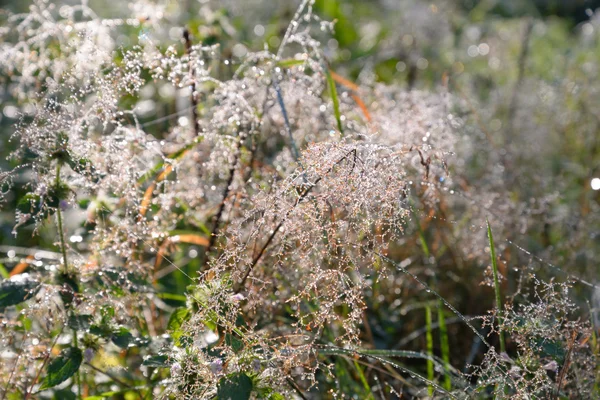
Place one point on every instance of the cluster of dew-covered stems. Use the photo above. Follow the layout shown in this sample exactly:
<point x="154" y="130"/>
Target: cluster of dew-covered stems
<point x="288" y="187"/>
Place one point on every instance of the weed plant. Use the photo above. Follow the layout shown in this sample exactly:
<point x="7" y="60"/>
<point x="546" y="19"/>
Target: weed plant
<point x="224" y="221"/>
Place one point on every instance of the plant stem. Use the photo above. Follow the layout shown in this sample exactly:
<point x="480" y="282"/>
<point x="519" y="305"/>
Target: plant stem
<point x="217" y="218"/>
<point x="61" y="235"/>
<point x="194" y="94"/>
<point x="77" y="376"/>
<point x="63" y="248"/>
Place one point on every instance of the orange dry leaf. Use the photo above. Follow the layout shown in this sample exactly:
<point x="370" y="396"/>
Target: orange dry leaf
<point x="344" y="82"/>
<point x="362" y="106"/>
<point x="148" y="193"/>
<point x="354" y="88"/>
<point x="192" y="239"/>
<point x="22" y="266"/>
<point x="146" y="199"/>
<point x="165" y="173"/>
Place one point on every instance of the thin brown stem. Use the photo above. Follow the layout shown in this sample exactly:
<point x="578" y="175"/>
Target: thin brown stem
<point x="565" y="368"/>
<point x="14" y="368"/>
<point x="37" y="376"/>
<point x="192" y="77"/>
<point x="295" y="386"/>
<point x="219" y="214"/>
<point x="111" y="376"/>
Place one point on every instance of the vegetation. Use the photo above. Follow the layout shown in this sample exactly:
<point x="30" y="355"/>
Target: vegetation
<point x="299" y="199"/>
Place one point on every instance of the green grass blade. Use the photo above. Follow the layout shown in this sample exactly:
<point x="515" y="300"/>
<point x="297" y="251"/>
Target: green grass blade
<point x="389" y="353"/>
<point x="379" y="356"/>
<point x="496" y="288"/>
<point x="335" y="100"/>
<point x="290" y="62"/>
<point x="429" y="337"/>
<point x="363" y="380"/>
<point x="3" y="272"/>
<point x="436" y="294"/>
<point x="444" y="345"/>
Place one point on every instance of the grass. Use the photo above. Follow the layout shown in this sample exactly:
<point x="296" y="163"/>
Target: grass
<point x="496" y="288"/>
<point x="311" y="282"/>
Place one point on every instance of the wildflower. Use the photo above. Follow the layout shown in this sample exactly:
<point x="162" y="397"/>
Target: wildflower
<point x="551" y="366"/>
<point x="237" y="297"/>
<point x="88" y="354"/>
<point x="176" y="369"/>
<point x="216" y="366"/>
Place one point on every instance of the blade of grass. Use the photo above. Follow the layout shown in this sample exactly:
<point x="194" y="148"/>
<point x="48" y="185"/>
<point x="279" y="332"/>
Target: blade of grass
<point x="496" y="288"/>
<point x="444" y="345"/>
<point x="335" y="100"/>
<point x="364" y="381"/>
<point x="420" y="230"/>
<point x="3" y="271"/>
<point x="391" y="353"/>
<point x="429" y="337"/>
<point x="353" y="93"/>
<point x="290" y="62"/>
<point x="285" y="119"/>
<point x="172" y="296"/>
<point x="441" y="321"/>
<point x="436" y="294"/>
<point x="375" y="354"/>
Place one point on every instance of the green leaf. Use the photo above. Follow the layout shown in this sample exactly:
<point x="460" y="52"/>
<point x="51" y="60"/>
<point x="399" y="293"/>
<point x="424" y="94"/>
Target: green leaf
<point x="84" y="203"/>
<point x="549" y="348"/>
<point x="172" y="296"/>
<point x="69" y="286"/>
<point x="267" y="393"/>
<point x="64" y="394"/>
<point x="233" y="342"/>
<point x="122" y="338"/>
<point x="100" y="330"/>
<point x="177" y="319"/>
<point x="234" y="387"/>
<point x="84" y="167"/>
<point x="42" y="206"/>
<point x="29" y="155"/>
<point x="157" y="361"/>
<point x="80" y="322"/>
<point x="335" y="100"/>
<point x="120" y="284"/>
<point x="179" y="316"/>
<point x="29" y="204"/>
<point x="63" y="367"/>
<point x="15" y="291"/>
